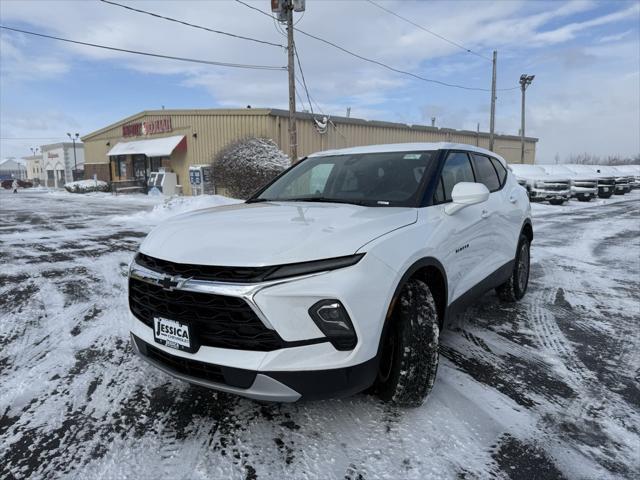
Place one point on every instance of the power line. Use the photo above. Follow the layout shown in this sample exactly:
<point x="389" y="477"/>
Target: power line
<point x="370" y="60"/>
<point x="304" y="82"/>
<point x="468" y="50"/>
<point x="193" y="25"/>
<point x="148" y="54"/>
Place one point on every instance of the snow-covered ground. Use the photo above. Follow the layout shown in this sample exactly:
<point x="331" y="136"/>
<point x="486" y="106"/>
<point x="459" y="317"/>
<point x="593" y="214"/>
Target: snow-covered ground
<point x="547" y="388"/>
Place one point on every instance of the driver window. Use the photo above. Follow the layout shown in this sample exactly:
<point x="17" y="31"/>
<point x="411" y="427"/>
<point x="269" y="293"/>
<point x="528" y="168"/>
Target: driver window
<point x="456" y="169"/>
<point x="312" y="182"/>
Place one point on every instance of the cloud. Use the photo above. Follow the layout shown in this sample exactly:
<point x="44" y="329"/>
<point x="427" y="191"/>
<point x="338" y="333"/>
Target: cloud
<point x="17" y="66"/>
<point x="530" y="36"/>
<point x="568" y="32"/>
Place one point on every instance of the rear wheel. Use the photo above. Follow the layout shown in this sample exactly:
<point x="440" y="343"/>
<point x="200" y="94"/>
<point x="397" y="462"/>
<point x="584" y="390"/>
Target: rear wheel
<point x="556" y="201"/>
<point x="515" y="288"/>
<point x="409" y="357"/>
<point x="584" y="199"/>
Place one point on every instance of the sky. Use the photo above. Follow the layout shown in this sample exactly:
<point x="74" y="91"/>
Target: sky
<point x="585" y="56"/>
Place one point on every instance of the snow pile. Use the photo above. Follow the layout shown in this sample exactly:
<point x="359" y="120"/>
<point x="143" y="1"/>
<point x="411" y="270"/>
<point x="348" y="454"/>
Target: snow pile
<point x="174" y="206"/>
<point x="86" y="186"/>
<point x="245" y="166"/>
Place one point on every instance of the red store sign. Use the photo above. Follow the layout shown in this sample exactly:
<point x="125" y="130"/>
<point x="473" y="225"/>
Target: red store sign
<point x="160" y="125"/>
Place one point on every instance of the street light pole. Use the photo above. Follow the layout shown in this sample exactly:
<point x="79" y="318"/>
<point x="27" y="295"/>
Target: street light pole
<point x="75" y="161"/>
<point x="525" y="81"/>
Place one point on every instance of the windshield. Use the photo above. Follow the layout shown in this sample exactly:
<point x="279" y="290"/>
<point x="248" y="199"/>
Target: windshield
<point x="371" y="179"/>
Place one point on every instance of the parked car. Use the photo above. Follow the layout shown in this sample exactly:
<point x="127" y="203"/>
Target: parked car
<point x="8" y="184"/>
<point x="606" y="182"/>
<point x="337" y="276"/>
<point x="541" y="187"/>
<point x="583" y="187"/>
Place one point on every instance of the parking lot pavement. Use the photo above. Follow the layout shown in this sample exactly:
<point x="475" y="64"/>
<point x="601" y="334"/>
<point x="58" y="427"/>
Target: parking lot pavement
<point x="546" y="388"/>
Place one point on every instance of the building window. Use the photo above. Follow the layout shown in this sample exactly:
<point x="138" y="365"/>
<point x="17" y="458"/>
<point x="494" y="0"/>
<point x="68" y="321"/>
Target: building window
<point x="122" y="166"/>
<point x="139" y="167"/>
<point x="156" y="163"/>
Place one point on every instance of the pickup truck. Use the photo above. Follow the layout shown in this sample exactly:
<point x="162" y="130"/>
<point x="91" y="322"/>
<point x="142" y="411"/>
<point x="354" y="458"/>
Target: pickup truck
<point x="584" y="187"/>
<point x="541" y="187"/>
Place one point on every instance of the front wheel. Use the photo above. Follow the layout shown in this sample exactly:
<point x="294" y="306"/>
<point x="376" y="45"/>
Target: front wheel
<point x="515" y="288"/>
<point x="556" y="201"/>
<point x="409" y="359"/>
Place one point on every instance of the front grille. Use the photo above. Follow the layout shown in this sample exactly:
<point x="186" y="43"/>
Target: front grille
<point x="607" y="182"/>
<point x="205" y="272"/>
<point x="556" y="186"/>
<point x="204" y="371"/>
<point x="215" y="320"/>
<point x="585" y="183"/>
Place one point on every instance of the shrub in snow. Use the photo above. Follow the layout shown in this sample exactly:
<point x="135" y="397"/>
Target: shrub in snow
<point x="86" y="186"/>
<point x="247" y="165"/>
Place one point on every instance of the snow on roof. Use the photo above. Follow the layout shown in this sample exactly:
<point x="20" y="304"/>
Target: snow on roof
<point x="157" y="147"/>
<point x="407" y="147"/>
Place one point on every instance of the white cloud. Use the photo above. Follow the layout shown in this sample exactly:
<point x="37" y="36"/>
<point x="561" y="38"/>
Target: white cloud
<point x="16" y="66"/>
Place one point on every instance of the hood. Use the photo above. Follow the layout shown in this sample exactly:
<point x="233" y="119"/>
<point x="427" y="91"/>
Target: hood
<point x="542" y="177"/>
<point x="271" y="233"/>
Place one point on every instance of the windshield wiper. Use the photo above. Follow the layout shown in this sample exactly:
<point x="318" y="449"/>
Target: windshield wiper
<point x="326" y="200"/>
<point x="258" y="200"/>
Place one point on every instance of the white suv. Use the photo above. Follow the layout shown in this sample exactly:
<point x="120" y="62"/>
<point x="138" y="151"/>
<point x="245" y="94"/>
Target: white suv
<point x="336" y="277"/>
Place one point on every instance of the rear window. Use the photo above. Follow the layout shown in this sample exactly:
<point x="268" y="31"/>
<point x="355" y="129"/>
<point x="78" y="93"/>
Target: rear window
<point x="485" y="172"/>
<point x="502" y="172"/>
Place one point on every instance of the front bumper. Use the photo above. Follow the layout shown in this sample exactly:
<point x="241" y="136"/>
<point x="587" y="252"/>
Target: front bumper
<point x="541" y="195"/>
<point x="271" y="386"/>
<point x="306" y="364"/>
<point x="584" y="192"/>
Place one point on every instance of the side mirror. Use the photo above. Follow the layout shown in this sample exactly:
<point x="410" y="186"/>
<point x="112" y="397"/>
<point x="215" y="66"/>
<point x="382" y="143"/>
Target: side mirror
<point x="465" y="194"/>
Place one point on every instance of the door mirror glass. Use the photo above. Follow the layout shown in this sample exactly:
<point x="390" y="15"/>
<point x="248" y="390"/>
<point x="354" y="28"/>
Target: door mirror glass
<point x="465" y="194"/>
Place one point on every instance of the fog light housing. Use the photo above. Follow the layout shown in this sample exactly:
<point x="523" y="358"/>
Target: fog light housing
<point x="333" y="320"/>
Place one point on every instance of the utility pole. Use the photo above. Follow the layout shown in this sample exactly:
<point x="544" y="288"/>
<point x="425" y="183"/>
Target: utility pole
<point x="492" y="120"/>
<point x="293" y="132"/>
<point x="525" y="81"/>
<point x="284" y="10"/>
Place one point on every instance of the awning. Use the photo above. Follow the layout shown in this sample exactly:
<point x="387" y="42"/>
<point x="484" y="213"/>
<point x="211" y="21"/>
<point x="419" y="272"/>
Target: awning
<point x="158" y="147"/>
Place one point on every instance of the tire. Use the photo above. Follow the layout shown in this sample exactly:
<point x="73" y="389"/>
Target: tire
<point x="584" y="199"/>
<point x="556" y="202"/>
<point x="409" y="359"/>
<point x="605" y="195"/>
<point x="514" y="289"/>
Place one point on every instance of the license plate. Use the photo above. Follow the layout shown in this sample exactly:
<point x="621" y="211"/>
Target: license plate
<point x="605" y="189"/>
<point x="172" y="333"/>
<point x="587" y="194"/>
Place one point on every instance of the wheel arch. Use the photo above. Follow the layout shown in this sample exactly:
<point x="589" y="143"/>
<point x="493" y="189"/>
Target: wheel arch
<point x="432" y="272"/>
<point x="527" y="229"/>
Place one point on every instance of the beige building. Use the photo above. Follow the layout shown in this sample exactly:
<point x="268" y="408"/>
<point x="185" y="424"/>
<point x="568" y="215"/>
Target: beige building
<point x="129" y="150"/>
<point x="35" y="172"/>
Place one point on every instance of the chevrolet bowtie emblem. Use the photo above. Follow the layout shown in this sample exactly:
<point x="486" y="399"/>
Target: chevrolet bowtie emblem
<point x="171" y="283"/>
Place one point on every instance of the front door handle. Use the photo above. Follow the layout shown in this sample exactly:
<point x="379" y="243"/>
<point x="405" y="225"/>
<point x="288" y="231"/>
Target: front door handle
<point x="485" y="213"/>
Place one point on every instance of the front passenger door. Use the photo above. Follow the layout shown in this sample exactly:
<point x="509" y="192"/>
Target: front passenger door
<point x="467" y="231"/>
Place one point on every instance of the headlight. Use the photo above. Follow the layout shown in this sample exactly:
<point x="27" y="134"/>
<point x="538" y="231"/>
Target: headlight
<point x="333" y="320"/>
<point x="305" y="268"/>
